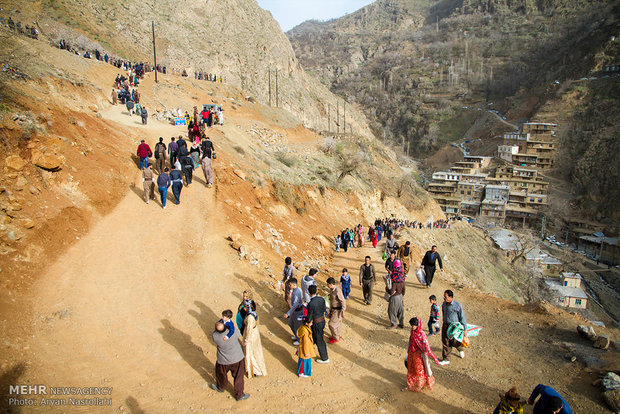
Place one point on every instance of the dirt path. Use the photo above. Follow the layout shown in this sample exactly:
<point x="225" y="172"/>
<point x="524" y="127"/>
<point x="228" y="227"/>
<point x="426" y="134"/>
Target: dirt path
<point x="132" y="305"/>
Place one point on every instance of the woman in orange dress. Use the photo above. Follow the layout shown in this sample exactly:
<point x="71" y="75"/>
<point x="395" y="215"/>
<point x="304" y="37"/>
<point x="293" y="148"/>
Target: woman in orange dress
<point x="419" y="373"/>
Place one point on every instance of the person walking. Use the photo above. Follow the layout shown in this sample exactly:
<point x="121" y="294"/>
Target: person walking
<point x="306" y="282"/>
<point x="390" y="245"/>
<point x="396" y="291"/>
<point x="160" y="155"/>
<point x="337" y="306"/>
<point x="163" y="182"/>
<point x="288" y="273"/>
<point x="316" y="313"/>
<point x="144" y="152"/>
<point x="229" y="359"/>
<point x="550" y="401"/>
<point x="452" y="311"/>
<point x="187" y="166"/>
<point x="295" y="314"/>
<point x="306" y="349"/>
<point x="419" y="373"/>
<point x="172" y="151"/>
<point x="428" y="264"/>
<point x="254" y="359"/>
<point x="208" y="153"/>
<point x="404" y="254"/>
<point x="368" y="279"/>
<point x="148" y="182"/>
<point x="114" y="97"/>
<point x="176" y="178"/>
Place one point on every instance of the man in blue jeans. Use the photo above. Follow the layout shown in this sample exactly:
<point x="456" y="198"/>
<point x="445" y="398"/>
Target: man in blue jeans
<point x="144" y="152"/>
<point x="550" y="401"/>
<point x="163" y="182"/>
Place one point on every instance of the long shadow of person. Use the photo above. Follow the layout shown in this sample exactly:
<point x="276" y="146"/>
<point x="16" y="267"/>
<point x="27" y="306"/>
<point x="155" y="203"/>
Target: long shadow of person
<point x="189" y="351"/>
<point x="134" y="406"/>
<point x="8" y="378"/>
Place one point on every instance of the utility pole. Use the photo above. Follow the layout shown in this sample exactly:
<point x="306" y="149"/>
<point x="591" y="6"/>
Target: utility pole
<point x="269" y="86"/>
<point x="329" y="117"/>
<point x="154" y="50"/>
<point x="337" y="118"/>
<point x="277" y="97"/>
<point x="344" y="116"/>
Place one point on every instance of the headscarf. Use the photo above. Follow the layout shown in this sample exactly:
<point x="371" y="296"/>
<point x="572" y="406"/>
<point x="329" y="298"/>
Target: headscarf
<point x="247" y="304"/>
<point x="419" y="341"/>
<point x="398" y="273"/>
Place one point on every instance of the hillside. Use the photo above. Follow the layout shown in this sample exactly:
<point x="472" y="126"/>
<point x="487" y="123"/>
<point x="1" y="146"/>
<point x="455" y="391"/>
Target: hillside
<point x="427" y="72"/>
<point x="234" y="39"/>
<point x="99" y="289"/>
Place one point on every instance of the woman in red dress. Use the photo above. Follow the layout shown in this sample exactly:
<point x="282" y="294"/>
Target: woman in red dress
<point x="375" y="238"/>
<point x="419" y="372"/>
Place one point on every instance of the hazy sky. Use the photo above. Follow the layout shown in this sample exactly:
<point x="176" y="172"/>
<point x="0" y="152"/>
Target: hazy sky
<point x="289" y="13"/>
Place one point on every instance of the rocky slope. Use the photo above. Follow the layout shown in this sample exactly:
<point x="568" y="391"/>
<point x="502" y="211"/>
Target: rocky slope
<point x="235" y="39"/>
<point x="416" y="64"/>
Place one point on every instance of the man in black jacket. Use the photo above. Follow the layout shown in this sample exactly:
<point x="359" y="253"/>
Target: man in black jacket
<point x="316" y="312"/>
<point x="428" y="263"/>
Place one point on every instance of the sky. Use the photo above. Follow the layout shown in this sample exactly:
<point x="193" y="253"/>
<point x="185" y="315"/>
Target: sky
<point x="289" y="13"/>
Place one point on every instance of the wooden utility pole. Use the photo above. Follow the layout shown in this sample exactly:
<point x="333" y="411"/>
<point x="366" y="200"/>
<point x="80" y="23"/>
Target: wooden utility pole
<point x="154" y="50"/>
<point x="329" y="117"/>
<point x="337" y="118"/>
<point x="269" y="86"/>
<point x="277" y="97"/>
<point x="344" y="116"/>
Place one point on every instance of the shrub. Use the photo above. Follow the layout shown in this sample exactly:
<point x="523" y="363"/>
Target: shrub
<point x="285" y="158"/>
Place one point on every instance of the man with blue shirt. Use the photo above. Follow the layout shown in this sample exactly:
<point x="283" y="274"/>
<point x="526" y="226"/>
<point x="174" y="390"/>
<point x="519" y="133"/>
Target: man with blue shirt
<point x="549" y="402"/>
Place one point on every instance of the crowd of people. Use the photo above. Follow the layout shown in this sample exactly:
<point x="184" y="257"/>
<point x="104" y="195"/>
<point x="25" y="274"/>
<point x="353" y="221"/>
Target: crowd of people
<point x="307" y="313"/>
<point x="17" y="27"/>
<point x="183" y="162"/>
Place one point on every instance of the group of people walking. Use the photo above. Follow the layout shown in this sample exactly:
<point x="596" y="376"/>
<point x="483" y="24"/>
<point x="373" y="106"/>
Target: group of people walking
<point x="307" y="312"/>
<point x="239" y="348"/>
<point x="183" y="162"/>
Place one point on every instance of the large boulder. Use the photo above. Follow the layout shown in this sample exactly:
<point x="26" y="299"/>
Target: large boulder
<point x="323" y="241"/>
<point x="47" y="161"/>
<point x="15" y="162"/>
<point x="586" y="332"/>
<point x="602" y="342"/>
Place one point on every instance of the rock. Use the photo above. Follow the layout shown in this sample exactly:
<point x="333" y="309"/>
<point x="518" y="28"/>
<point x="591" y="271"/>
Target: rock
<point x="21" y="181"/>
<point x="236" y="245"/>
<point x="258" y="236"/>
<point x="243" y="251"/>
<point x="323" y="241"/>
<point x="26" y="223"/>
<point x="33" y="190"/>
<point x="586" y="332"/>
<point x="5" y="219"/>
<point x="612" y="398"/>
<point x="49" y="162"/>
<point x="611" y="381"/>
<point x="15" y="162"/>
<point x="602" y="342"/>
<point x="234" y="237"/>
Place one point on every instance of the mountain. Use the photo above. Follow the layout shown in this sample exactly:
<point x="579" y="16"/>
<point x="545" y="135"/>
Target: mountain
<point x="421" y="69"/>
<point x="235" y="39"/>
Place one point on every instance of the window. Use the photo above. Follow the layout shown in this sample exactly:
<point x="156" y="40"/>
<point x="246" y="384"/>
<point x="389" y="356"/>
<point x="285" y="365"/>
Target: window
<point x="548" y="266"/>
<point x="577" y="301"/>
<point x="561" y="299"/>
<point x="540" y="200"/>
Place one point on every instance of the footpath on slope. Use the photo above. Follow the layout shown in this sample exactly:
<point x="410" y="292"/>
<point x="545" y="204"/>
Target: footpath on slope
<point x="132" y="305"/>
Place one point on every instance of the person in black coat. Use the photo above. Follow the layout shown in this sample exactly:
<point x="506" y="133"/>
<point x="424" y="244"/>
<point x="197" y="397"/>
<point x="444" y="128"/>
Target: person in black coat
<point x="316" y="313"/>
<point x="428" y="264"/>
<point x="346" y="239"/>
<point x="177" y="185"/>
<point x="187" y="164"/>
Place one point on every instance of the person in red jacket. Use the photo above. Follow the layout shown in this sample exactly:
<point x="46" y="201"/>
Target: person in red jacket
<point x="144" y="152"/>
